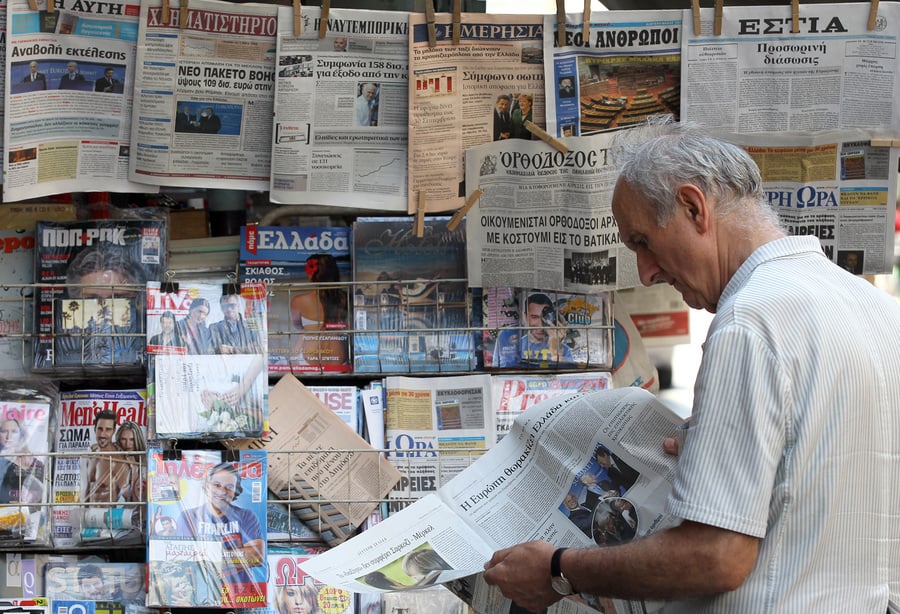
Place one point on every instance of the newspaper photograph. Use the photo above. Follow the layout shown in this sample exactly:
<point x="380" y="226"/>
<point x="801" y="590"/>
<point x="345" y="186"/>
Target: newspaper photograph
<point x="480" y="90"/>
<point x="434" y="429"/>
<point x="68" y="98"/>
<point x="203" y="96"/>
<point x="581" y="469"/>
<point x="759" y="77"/>
<point x="835" y="186"/>
<point x="340" y="130"/>
<point x="628" y="69"/>
<point x="544" y="218"/>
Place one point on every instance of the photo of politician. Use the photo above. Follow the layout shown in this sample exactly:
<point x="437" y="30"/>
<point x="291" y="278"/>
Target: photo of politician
<point x="202" y="117"/>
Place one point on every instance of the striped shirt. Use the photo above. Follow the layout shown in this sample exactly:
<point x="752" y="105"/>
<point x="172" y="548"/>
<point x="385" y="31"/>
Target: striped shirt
<point x="795" y="436"/>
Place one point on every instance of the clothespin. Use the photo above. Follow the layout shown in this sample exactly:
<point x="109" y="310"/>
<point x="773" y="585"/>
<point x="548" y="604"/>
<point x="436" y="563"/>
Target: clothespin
<point x="429" y="22"/>
<point x="717" y="18"/>
<point x="795" y="16"/>
<point x="873" y="15"/>
<point x="165" y="12"/>
<point x="32" y="5"/>
<point x="323" y="18"/>
<point x="695" y="13"/>
<point x="182" y="15"/>
<point x="883" y="142"/>
<point x="419" y="225"/>
<point x="560" y="23"/>
<point x="457" y="20"/>
<point x="51" y="6"/>
<point x="462" y="212"/>
<point x="298" y="18"/>
<point x="545" y="136"/>
<point x="586" y="22"/>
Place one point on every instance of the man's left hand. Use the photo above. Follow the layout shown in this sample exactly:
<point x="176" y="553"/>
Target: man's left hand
<point x="522" y="573"/>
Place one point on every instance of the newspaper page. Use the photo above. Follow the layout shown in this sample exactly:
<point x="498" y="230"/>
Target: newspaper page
<point x="544" y="218"/>
<point x="759" y="77"/>
<point x="2" y="77"/>
<point x="628" y="69"/>
<point x="480" y="90"/>
<point x="68" y="96"/>
<point x="835" y="186"/>
<point x="204" y="95"/>
<point x="341" y="110"/>
<point x="434" y="428"/>
<point x="659" y="313"/>
<point x="581" y="469"/>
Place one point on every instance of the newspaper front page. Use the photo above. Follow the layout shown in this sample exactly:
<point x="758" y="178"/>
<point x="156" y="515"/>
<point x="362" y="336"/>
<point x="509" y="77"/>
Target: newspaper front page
<point x="2" y="78"/>
<point x="835" y="186"/>
<point x="480" y="90"/>
<point x="551" y="478"/>
<point x="629" y="68"/>
<point x="68" y="98"/>
<point x="340" y="129"/>
<point x="204" y="95"/>
<point x="544" y="218"/>
<point x="434" y="429"/>
<point x="759" y="77"/>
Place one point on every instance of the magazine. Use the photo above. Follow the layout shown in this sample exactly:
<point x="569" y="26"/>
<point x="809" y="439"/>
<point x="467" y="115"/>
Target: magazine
<point x="292" y="591"/>
<point x="25" y="606"/>
<point x="404" y="282"/>
<point x="297" y="264"/>
<point x="100" y="443"/>
<point x="208" y="355"/>
<point x="207" y="522"/>
<point x="26" y="420"/>
<point x="93" y="321"/>
<point x="17" y="223"/>
<point x="95" y="580"/>
<point x="598" y="454"/>
<point x="343" y="401"/>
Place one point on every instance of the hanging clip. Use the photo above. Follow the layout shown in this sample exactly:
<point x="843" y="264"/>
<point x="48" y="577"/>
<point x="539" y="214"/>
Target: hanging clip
<point x="873" y="15"/>
<point x="165" y="12"/>
<point x="231" y="286"/>
<point x="795" y="16"/>
<point x="695" y="14"/>
<point x="429" y="21"/>
<point x="32" y="5"/>
<point x="462" y="212"/>
<point x="717" y="17"/>
<point x="169" y="286"/>
<point x="586" y="23"/>
<point x="298" y="18"/>
<point x="183" y="15"/>
<point x="457" y="20"/>
<point x="545" y="136"/>
<point x="323" y="18"/>
<point x="560" y="23"/>
<point x="419" y="225"/>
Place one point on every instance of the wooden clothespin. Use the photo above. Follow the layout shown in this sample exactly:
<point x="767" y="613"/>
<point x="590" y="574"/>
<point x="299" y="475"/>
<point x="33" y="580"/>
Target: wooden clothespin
<point x="695" y="13"/>
<point x="323" y="18"/>
<point x="298" y="18"/>
<point x="165" y="12"/>
<point x="873" y="15"/>
<point x="51" y="6"/>
<point x="545" y="136"/>
<point x="560" y="23"/>
<point x="883" y="142"/>
<point x="717" y="17"/>
<point x="429" y="22"/>
<point x="419" y="225"/>
<point x="457" y="20"/>
<point x="586" y="23"/>
<point x="183" y="14"/>
<point x="32" y="5"/>
<point x="795" y="16"/>
<point x="464" y="210"/>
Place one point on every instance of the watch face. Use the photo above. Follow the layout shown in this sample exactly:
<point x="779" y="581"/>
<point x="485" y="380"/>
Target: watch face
<point x="561" y="585"/>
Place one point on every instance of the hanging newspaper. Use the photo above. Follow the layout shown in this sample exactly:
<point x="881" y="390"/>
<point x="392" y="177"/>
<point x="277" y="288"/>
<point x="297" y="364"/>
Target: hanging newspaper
<point x="3" y="76"/>
<point x="68" y="98"/>
<point x="757" y="76"/>
<point x="629" y="68"/>
<point x="203" y="95"/>
<point x="597" y="461"/>
<point x="479" y="90"/>
<point x="544" y="218"/>
<point x="835" y="186"/>
<point x="340" y="130"/>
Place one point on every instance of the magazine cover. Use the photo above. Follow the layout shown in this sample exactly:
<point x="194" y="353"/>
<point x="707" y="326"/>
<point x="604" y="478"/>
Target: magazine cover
<point x="207" y="371"/>
<point x="500" y="314"/>
<point x="26" y="420"/>
<point x="17" y="223"/>
<point x="288" y="259"/>
<point x="207" y="524"/>
<point x="96" y="580"/>
<point x="101" y="442"/>
<point x="343" y="401"/>
<point x="292" y="591"/>
<point x="93" y="321"/>
<point x="25" y="606"/>
<point x="406" y="282"/>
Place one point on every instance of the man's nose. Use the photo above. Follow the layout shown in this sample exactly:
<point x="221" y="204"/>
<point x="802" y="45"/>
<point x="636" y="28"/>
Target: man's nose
<point x="648" y="269"/>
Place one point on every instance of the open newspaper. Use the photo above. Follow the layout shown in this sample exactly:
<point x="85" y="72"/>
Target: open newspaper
<point x="575" y="470"/>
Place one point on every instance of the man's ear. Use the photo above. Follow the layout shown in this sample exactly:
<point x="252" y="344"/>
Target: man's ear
<point x="692" y="204"/>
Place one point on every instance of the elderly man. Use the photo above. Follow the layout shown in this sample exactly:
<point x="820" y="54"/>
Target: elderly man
<point x="787" y="484"/>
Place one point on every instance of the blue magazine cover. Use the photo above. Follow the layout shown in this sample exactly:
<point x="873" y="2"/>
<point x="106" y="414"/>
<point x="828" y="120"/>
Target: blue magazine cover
<point x="206" y="514"/>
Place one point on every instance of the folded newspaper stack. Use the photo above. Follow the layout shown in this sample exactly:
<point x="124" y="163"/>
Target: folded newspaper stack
<point x="597" y="459"/>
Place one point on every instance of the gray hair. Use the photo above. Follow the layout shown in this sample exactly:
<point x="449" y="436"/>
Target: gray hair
<point x="658" y="157"/>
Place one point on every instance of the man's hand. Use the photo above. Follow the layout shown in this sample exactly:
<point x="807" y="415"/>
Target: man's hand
<point x="522" y="573"/>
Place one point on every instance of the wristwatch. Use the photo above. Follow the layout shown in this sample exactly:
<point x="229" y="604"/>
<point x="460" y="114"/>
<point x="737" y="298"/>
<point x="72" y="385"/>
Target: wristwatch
<point x="558" y="581"/>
